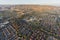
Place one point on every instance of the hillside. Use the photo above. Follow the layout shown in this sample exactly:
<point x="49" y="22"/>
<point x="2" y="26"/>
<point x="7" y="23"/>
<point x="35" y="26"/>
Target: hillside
<point x="30" y="22"/>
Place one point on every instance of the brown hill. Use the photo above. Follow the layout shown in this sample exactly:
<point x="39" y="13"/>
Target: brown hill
<point x="34" y="7"/>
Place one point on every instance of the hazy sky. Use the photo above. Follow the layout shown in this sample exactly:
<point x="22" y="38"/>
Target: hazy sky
<point x="40" y="2"/>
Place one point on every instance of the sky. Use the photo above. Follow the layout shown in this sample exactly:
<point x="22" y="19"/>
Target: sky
<point x="39" y="2"/>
